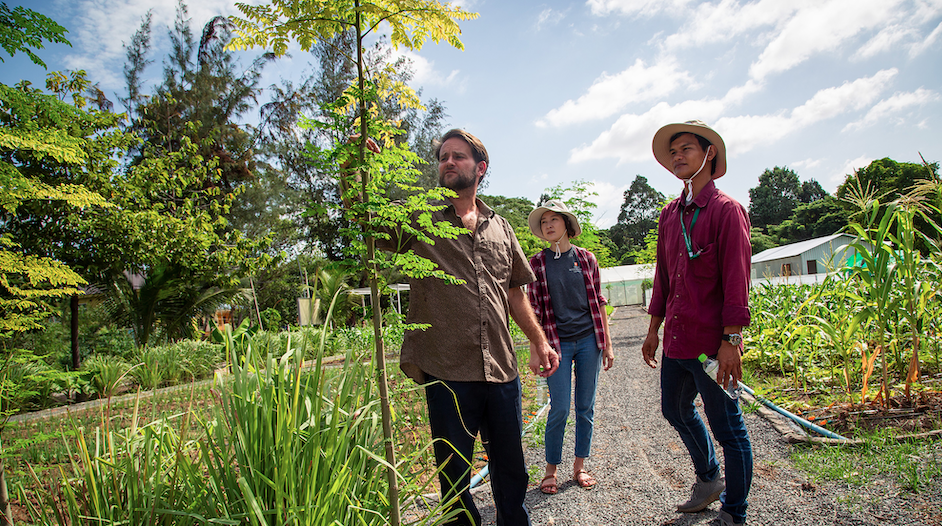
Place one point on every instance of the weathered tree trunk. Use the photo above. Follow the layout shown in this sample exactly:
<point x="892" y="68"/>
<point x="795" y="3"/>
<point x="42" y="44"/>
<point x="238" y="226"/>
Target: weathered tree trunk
<point x="6" y="514"/>
<point x="74" y="340"/>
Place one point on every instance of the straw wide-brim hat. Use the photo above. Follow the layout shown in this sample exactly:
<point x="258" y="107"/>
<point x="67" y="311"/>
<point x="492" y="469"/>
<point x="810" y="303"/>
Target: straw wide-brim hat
<point x="553" y="205"/>
<point x="662" y="146"/>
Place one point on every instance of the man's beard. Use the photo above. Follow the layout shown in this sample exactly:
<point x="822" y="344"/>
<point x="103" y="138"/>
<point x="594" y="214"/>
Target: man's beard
<point x="462" y="181"/>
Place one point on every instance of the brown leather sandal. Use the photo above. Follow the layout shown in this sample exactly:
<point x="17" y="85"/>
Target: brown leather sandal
<point x="587" y="481"/>
<point x="549" y="489"/>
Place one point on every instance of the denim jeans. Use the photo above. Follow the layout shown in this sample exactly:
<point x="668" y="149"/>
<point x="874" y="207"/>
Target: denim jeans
<point x="584" y="357"/>
<point x="494" y="410"/>
<point x="681" y="381"/>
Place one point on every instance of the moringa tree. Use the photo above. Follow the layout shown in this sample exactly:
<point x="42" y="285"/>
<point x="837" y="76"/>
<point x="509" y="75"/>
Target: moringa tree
<point x="410" y="23"/>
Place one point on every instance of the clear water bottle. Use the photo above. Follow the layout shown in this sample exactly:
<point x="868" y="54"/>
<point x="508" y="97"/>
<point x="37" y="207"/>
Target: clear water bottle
<point x="710" y="367"/>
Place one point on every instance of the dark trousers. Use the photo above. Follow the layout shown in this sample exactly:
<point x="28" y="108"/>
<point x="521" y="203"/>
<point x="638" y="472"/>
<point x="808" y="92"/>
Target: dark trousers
<point x="681" y="382"/>
<point x="457" y="412"/>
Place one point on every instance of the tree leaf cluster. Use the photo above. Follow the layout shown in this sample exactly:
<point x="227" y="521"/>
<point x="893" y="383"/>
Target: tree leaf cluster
<point x="24" y="30"/>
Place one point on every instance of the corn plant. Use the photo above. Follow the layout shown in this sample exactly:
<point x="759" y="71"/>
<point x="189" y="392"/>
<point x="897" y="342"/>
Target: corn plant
<point x="915" y="292"/>
<point x="876" y="275"/>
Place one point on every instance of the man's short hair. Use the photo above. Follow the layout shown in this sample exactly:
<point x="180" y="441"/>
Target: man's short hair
<point x="704" y="144"/>
<point x="477" y="147"/>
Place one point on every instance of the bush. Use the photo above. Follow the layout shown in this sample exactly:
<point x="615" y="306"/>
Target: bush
<point x="104" y="374"/>
<point x="176" y="363"/>
<point x="271" y="319"/>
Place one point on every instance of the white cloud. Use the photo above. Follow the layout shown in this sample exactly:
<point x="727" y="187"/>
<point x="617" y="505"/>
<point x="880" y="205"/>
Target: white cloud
<point x="427" y="75"/>
<point x="632" y="7"/>
<point x="884" y="41"/>
<point x="729" y="19"/>
<point x="830" y="102"/>
<point x="629" y="139"/>
<point x="822" y="27"/>
<point x="548" y="18"/>
<point x="743" y="133"/>
<point x="99" y="28"/>
<point x="608" y="200"/>
<point x="609" y="94"/>
<point x="850" y="166"/>
<point x="807" y="163"/>
<point x="896" y="104"/>
<point x="918" y="48"/>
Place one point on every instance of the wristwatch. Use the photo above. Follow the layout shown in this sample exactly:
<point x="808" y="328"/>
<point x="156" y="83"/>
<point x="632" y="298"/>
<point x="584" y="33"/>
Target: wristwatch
<point x="734" y="338"/>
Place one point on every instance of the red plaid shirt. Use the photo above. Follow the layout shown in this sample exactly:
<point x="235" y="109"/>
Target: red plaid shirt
<point x="539" y="296"/>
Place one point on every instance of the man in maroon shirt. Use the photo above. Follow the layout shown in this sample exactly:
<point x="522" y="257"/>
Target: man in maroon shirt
<point x="701" y="289"/>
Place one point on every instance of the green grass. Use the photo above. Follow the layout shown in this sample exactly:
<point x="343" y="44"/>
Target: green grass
<point x="913" y="466"/>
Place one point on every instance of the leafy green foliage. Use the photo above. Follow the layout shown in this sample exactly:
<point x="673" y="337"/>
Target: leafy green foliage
<point x="819" y="218"/>
<point x="516" y="210"/>
<point x="886" y="180"/>
<point x="865" y="314"/>
<point x="24" y="30"/>
<point x="775" y="198"/>
<point x="411" y="22"/>
<point x="637" y="217"/>
<point x="281" y="444"/>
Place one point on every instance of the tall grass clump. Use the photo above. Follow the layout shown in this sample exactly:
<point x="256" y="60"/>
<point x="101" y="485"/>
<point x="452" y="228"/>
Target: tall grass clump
<point x="287" y="443"/>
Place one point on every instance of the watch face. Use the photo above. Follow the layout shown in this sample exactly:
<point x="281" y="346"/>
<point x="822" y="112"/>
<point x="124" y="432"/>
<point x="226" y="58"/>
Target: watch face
<point x="735" y="339"/>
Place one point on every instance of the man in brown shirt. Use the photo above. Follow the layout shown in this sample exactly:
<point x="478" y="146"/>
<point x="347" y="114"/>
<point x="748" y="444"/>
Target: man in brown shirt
<point x="468" y="348"/>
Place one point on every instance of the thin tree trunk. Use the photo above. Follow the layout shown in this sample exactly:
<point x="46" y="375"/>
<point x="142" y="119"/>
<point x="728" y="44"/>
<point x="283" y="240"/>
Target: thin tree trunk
<point x="74" y="339"/>
<point x="255" y="299"/>
<point x="73" y="326"/>
<point x="6" y="518"/>
<point x="391" y="476"/>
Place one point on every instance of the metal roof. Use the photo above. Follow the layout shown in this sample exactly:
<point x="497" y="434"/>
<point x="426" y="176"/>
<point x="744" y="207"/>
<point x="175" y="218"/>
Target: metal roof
<point x="795" y="249"/>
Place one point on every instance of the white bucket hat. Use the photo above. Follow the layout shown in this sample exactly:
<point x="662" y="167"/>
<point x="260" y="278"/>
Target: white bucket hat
<point x="553" y="205"/>
<point x="662" y="146"/>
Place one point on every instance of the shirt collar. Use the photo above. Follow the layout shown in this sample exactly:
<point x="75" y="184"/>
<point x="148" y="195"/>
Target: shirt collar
<point x="704" y="196"/>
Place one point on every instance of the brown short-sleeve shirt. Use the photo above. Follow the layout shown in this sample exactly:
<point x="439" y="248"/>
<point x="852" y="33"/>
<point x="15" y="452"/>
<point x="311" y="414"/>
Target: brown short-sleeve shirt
<point x="469" y="339"/>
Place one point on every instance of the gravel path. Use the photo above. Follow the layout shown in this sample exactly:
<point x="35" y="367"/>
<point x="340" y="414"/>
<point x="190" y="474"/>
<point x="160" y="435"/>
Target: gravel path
<point x="643" y="469"/>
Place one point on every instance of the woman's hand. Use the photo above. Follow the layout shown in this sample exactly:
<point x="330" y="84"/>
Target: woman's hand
<point x="608" y="357"/>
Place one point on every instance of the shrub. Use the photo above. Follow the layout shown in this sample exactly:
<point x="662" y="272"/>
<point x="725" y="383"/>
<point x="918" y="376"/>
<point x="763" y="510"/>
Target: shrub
<point x="105" y="373"/>
<point x="271" y="319"/>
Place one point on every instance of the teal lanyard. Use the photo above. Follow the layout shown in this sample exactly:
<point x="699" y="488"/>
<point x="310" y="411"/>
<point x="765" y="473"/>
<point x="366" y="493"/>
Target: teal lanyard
<point x="690" y="253"/>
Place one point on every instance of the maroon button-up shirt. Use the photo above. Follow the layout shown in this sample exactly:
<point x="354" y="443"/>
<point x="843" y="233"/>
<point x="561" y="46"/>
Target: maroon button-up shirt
<point x="698" y="297"/>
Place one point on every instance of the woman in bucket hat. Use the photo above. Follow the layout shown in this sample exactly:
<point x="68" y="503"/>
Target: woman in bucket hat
<point x="568" y="302"/>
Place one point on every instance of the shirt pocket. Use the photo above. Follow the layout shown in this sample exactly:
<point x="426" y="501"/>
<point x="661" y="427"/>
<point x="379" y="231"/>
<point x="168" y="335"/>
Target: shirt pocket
<point x="706" y="265"/>
<point x="495" y="256"/>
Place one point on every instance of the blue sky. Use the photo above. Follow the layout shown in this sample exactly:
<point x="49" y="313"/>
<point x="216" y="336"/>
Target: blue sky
<point x="563" y="91"/>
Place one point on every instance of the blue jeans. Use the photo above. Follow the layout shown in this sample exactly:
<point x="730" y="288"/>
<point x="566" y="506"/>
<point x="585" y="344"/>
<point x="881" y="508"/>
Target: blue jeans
<point x="585" y="358"/>
<point x="681" y="381"/>
<point x="494" y="410"/>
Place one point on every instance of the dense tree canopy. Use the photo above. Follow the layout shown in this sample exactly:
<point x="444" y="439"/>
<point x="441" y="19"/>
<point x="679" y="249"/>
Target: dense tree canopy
<point x="775" y="198"/>
<point x="818" y="218"/>
<point x="885" y="179"/>
<point x="637" y="217"/>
